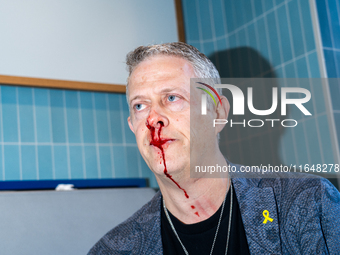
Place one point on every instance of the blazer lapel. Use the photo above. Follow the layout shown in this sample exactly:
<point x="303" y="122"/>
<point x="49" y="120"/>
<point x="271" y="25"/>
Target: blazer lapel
<point x="259" y="215"/>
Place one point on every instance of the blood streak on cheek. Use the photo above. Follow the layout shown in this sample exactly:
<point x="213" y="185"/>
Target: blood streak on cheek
<point x="197" y="214"/>
<point x="159" y="143"/>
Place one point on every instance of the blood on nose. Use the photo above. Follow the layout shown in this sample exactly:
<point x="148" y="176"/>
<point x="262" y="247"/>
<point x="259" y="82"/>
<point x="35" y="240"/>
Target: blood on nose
<point x="158" y="142"/>
<point x="156" y="134"/>
<point x="155" y="125"/>
<point x="157" y="119"/>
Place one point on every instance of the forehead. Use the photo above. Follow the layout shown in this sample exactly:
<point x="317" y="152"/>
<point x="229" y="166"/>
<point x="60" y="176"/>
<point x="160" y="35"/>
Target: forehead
<point x="160" y="72"/>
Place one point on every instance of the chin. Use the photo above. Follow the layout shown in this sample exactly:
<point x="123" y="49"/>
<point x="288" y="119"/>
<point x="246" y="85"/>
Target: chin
<point x="173" y="168"/>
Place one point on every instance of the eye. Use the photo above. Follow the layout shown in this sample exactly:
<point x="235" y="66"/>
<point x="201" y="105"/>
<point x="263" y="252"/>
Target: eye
<point x="172" y="98"/>
<point x="139" y="107"/>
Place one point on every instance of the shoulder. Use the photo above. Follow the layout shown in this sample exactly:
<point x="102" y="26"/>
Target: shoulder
<point x="139" y="232"/>
<point x="307" y="208"/>
<point x="291" y="187"/>
<point x="286" y="185"/>
<point x="296" y="186"/>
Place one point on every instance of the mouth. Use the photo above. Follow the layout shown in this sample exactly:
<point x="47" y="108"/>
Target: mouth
<point x="160" y="142"/>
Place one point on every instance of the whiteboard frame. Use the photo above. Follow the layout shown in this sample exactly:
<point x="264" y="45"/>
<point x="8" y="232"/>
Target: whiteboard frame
<point x="87" y="86"/>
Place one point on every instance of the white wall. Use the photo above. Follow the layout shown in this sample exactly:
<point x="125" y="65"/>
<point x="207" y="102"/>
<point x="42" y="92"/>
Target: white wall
<point x="82" y="40"/>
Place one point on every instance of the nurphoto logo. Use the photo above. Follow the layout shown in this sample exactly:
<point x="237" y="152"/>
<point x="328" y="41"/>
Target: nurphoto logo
<point x="239" y="104"/>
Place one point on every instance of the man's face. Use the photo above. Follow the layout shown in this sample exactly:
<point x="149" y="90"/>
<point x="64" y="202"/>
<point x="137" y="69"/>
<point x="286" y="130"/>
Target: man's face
<point x="159" y="96"/>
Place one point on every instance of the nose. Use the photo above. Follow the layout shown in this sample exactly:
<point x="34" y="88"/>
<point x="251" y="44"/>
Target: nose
<point x="157" y="119"/>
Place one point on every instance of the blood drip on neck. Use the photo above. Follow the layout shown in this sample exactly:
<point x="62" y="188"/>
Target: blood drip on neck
<point x="158" y="142"/>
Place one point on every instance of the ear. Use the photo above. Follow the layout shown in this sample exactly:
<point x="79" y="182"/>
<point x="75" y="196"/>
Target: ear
<point x="130" y="124"/>
<point x="222" y="112"/>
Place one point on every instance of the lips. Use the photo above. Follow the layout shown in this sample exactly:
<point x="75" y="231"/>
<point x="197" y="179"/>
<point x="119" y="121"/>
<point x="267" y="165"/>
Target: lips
<point x="160" y="142"/>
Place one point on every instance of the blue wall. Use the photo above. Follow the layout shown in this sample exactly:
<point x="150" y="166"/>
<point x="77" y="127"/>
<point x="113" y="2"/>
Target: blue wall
<point x="281" y="31"/>
<point x="61" y="134"/>
<point x="329" y="19"/>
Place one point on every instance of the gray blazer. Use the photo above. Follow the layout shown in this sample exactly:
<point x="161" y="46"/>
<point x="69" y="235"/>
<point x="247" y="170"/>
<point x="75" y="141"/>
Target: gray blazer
<point x="305" y="213"/>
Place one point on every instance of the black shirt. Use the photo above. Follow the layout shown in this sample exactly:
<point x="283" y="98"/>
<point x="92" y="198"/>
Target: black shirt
<point x="198" y="238"/>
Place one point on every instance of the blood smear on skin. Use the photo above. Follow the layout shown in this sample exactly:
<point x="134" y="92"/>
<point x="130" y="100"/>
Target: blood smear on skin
<point x="158" y="142"/>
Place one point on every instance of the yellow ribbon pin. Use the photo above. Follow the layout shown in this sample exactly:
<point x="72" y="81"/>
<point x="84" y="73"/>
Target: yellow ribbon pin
<point x="266" y="217"/>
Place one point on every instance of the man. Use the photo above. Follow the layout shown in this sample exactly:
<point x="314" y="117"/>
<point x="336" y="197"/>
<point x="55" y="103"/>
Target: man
<point x="209" y="215"/>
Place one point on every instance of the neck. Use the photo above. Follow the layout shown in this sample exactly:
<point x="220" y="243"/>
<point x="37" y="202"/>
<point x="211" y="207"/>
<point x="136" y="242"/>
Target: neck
<point x="205" y="195"/>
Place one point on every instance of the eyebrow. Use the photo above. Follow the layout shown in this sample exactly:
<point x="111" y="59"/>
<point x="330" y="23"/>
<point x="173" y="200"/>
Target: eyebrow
<point x="165" y="90"/>
<point x="136" y="97"/>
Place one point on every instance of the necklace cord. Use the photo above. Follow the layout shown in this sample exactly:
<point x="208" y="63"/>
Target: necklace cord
<point x="218" y="225"/>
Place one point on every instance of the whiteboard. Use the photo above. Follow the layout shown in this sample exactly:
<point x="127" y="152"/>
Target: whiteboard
<point x="80" y="40"/>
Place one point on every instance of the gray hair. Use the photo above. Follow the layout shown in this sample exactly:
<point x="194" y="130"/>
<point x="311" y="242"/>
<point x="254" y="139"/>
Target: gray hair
<point x="203" y="67"/>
